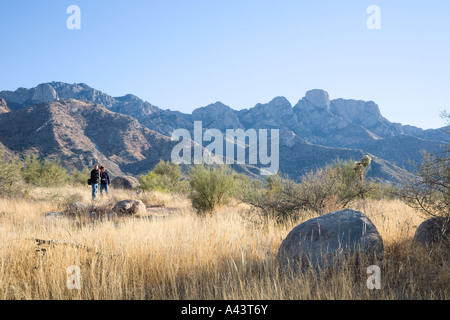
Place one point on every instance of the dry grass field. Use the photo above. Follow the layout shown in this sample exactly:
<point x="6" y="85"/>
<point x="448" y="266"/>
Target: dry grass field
<point x="174" y="254"/>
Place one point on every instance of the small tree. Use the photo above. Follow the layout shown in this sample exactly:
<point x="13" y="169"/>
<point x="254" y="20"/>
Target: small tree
<point x="10" y="173"/>
<point x="80" y="177"/>
<point x="32" y="169"/>
<point x="212" y="186"/>
<point x="333" y="186"/>
<point x="49" y="173"/>
<point x="429" y="189"/>
<point x="165" y="177"/>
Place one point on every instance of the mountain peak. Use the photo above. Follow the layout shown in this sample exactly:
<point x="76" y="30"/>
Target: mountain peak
<point x="44" y="92"/>
<point x="280" y="101"/>
<point x="318" y="98"/>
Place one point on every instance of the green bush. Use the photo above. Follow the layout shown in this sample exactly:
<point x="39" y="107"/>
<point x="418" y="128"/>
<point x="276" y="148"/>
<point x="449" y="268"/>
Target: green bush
<point x="78" y="177"/>
<point x="10" y="173"/>
<point x="165" y="177"/>
<point x="31" y="170"/>
<point x="212" y="186"/>
<point x="333" y="186"/>
<point x="46" y="174"/>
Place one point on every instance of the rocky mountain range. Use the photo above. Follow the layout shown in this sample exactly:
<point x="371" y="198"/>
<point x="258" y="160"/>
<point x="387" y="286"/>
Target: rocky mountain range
<point x="79" y="124"/>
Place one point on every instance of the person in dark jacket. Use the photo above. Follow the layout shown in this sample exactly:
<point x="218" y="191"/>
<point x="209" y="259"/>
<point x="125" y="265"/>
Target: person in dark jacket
<point x="95" y="180"/>
<point x="104" y="181"/>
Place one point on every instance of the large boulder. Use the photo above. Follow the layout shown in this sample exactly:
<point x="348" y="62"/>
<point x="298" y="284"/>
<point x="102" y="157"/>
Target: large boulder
<point x="125" y="182"/>
<point x="327" y="240"/>
<point x="130" y="207"/>
<point x="433" y="231"/>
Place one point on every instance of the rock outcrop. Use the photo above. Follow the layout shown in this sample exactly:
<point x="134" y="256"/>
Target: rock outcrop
<point x="44" y="93"/>
<point x="3" y="106"/>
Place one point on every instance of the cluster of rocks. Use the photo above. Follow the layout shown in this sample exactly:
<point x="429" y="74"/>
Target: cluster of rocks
<point x="329" y="240"/>
<point x="122" y="208"/>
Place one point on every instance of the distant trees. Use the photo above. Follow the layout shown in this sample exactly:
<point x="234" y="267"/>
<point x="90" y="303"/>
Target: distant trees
<point x="45" y="173"/>
<point x="32" y="171"/>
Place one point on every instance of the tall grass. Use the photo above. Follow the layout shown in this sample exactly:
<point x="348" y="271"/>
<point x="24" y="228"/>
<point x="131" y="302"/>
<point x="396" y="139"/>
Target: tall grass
<point x="183" y="256"/>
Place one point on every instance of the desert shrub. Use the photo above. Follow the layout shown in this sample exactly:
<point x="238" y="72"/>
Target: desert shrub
<point x="31" y="170"/>
<point x="211" y="185"/>
<point x="10" y="173"/>
<point x="333" y="186"/>
<point x="53" y="174"/>
<point x="165" y="177"/>
<point x="429" y="189"/>
<point x="46" y="174"/>
<point x="273" y="197"/>
<point x="80" y="177"/>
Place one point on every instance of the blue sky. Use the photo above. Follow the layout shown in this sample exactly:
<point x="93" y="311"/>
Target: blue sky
<point x="182" y="55"/>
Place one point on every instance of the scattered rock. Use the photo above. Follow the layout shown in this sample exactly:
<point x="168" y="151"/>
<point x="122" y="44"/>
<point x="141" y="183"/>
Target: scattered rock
<point x="324" y="241"/>
<point x="124" y="182"/>
<point x="55" y="215"/>
<point x="78" y="207"/>
<point x="130" y="207"/>
<point x="433" y="231"/>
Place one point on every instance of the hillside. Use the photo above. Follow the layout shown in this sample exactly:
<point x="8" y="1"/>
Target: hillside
<point x="80" y="125"/>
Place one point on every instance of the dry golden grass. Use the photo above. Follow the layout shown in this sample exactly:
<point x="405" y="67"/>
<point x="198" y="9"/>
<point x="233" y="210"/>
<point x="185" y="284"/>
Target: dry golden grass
<point x="183" y="256"/>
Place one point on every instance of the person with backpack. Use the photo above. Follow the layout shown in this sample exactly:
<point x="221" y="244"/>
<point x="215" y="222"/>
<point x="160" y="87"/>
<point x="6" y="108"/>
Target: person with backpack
<point x="104" y="181"/>
<point x="94" y="181"/>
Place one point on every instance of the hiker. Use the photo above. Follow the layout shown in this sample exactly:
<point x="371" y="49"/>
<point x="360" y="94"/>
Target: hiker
<point x="104" y="181"/>
<point x="95" y="179"/>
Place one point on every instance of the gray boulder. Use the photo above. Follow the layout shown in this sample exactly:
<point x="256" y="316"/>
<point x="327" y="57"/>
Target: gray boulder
<point x="327" y="240"/>
<point x="125" y="182"/>
<point x="130" y="207"/>
<point x="433" y="231"/>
